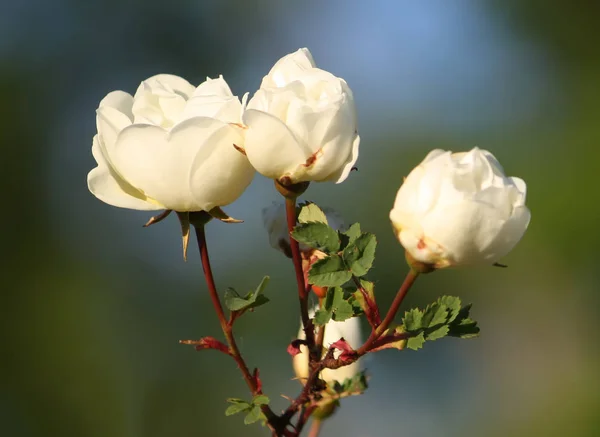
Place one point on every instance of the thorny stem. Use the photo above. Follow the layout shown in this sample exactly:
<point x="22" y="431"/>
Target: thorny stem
<point x="279" y="424"/>
<point x="304" y="415"/>
<point x="328" y="361"/>
<point x="290" y="210"/>
<point x="227" y="327"/>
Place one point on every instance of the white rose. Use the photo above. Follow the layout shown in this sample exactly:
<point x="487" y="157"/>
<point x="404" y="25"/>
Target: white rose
<point x="349" y="330"/>
<point x="301" y="123"/>
<point x="170" y="147"/>
<point x="275" y="222"/>
<point x="460" y="209"/>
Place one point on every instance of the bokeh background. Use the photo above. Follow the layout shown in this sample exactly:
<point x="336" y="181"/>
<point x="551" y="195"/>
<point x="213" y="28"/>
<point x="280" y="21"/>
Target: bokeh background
<point x="93" y="305"/>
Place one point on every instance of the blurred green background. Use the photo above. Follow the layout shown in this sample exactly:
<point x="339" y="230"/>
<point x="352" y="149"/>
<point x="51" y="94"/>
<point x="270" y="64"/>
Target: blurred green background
<point x="94" y="305"/>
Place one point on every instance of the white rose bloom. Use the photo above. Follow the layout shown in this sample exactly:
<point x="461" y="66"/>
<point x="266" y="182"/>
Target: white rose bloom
<point x="349" y="330"/>
<point x="460" y="209"/>
<point x="170" y="147"/>
<point x="301" y="123"/>
<point x="275" y="222"/>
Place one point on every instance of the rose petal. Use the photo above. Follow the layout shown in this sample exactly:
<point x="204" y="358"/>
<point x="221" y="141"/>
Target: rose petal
<point x="108" y="186"/>
<point x="271" y="147"/>
<point x="159" y="163"/>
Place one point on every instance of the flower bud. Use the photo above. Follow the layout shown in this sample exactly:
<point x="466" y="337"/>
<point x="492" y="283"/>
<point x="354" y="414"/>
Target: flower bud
<point x="459" y="209"/>
<point x="301" y="123"/>
<point x="349" y="330"/>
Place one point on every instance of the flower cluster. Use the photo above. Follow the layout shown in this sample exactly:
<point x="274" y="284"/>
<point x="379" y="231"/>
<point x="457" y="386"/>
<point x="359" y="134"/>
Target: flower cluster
<point x="175" y="147"/>
<point x="178" y="147"/>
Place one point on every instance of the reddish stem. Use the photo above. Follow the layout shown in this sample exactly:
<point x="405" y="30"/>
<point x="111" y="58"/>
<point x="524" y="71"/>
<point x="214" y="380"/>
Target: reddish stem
<point x="315" y="428"/>
<point x="227" y="327"/>
<point x="410" y="279"/>
<point x="208" y="275"/>
<point x="290" y="210"/>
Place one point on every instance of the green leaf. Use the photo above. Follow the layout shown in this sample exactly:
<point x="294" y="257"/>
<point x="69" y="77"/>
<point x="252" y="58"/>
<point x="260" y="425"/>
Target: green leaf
<point x="359" y="255"/>
<point x="416" y="343"/>
<point x="342" y="309"/>
<point x="453" y="304"/>
<point x="355" y="385"/>
<point x="463" y="326"/>
<point x="329" y="272"/>
<point x="253" y="416"/>
<point x="350" y="235"/>
<point x="435" y="314"/>
<point x="336" y="306"/>
<point x="238" y="405"/>
<point x="318" y="236"/>
<point x="322" y="317"/>
<point x="442" y="318"/>
<point x="253" y="409"/>
<point x="437" y="333"/>
<point x="467" y="328"/>
<point x="310" y="212"/>
<point x="413" y="320"/>
<point x="463" y="313"/>
<point x="234" y="302"/>
<point x="261" y="400"/>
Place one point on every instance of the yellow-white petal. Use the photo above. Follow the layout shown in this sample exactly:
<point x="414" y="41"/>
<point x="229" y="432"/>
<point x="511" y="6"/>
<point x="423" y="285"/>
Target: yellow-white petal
<point x="109" y="187"/>
<point x="160" y="162"/>
<point x="271" y="147"/>
<point x="289" y="68"/>
<point x="220" y="173"/>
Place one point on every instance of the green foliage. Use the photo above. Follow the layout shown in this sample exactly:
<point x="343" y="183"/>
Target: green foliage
<point x="261" y="400"/>
<point x="350" y="236"/>
<point x="335" y="391"/>
<point x="310" y="212"/>
<point x="338" y="305"/>
<point x="453" y="304"/>
<point x="348" y="253"/>
<point x="355" y="385"/>
<point x="360" y="254"/>
<point x="329" y="272"/>
<point x="416" y="342"/>
<point x="237" y="406"/>
<point x="413" y="320"/>
<point x="256" y="298"/>
<point x="252" y="409"/>
<point x="444" y="317"/>
<point x="463" y="326"/>
<point x="318" y="236"/>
